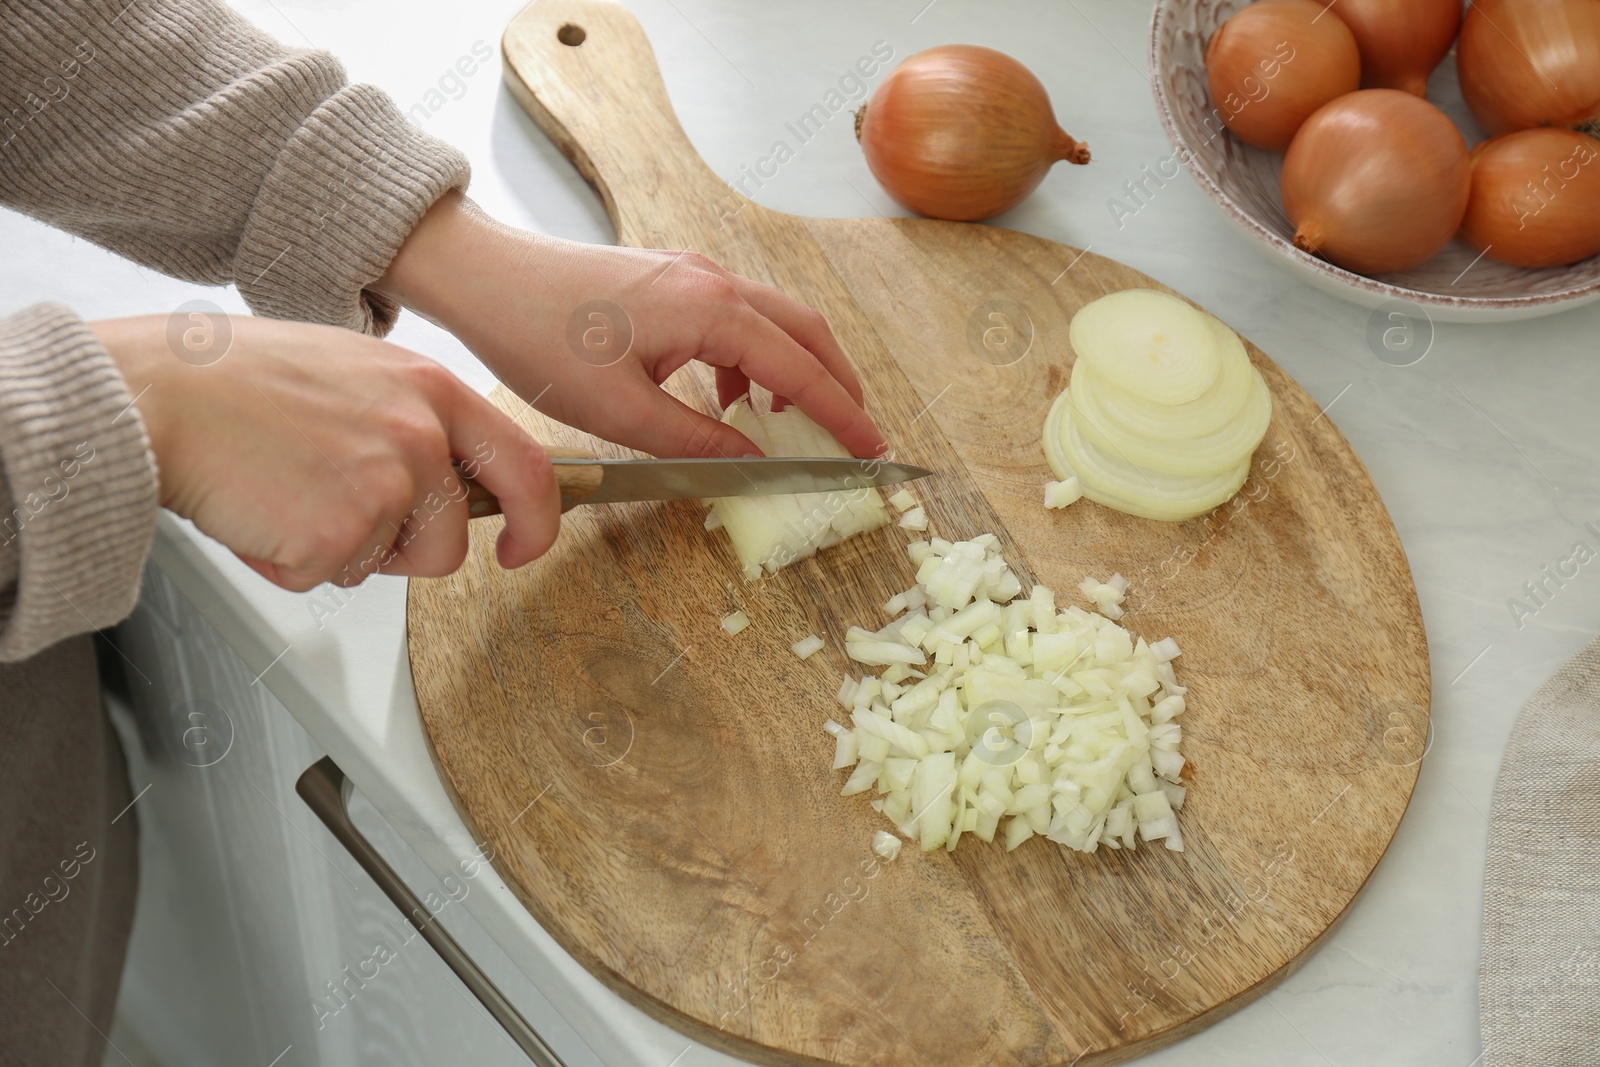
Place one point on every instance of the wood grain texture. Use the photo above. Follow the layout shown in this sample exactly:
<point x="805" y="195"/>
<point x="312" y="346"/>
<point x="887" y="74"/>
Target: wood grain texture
<point x="686" y="842"/>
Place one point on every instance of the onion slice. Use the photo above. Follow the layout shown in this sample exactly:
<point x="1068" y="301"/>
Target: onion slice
<point x="1163" y="410"/>
<point x="1111" y="480"/>
<point x="1150" y="343"/>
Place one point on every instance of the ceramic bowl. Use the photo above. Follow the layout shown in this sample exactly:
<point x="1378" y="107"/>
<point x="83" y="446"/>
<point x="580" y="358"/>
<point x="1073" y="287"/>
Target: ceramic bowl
<point x="1457" y="285"/>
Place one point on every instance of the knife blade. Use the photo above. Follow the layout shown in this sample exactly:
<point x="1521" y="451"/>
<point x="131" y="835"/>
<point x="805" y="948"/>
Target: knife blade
<point x="586" y="479"/>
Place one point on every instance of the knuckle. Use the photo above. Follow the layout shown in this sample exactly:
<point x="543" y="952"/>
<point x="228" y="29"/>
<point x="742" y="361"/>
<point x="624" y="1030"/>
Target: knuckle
<point x="432" y="378"/>
<point x="389" y="491"/>
<point x="534" y="458"/>
<point x="416" y="430"/>
<point x="334" y="540"/>
<point x="710" y="289"/>
<point x="713" y="445"/>
<point x="700" y="262"/>
<point x="815" y="321"/>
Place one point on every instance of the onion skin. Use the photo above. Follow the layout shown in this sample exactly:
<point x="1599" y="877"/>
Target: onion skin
<point x="1401" y="41"/>
<point x="1376" y="181"/>
<point x="1527" y="63"/>
<point x="1273" y="64"/>
<point x="1535" y="198"/>
<point x="963" y="133"/>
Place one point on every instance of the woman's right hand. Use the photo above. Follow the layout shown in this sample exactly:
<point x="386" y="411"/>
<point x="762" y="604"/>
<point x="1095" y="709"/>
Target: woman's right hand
<point x="321" y="455"/>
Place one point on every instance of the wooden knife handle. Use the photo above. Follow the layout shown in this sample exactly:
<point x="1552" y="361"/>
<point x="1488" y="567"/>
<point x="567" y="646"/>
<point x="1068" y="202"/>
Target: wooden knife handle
<point x="577" y="481"/>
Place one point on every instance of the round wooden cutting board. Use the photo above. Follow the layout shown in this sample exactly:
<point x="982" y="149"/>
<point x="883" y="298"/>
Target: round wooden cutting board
<point x="659" y="794"/>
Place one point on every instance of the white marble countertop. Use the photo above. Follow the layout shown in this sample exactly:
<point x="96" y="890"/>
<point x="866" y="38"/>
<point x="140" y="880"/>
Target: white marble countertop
<point x="1484" y="452"/>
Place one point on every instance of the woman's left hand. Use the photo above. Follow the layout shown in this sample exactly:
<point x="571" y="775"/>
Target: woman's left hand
<point x="588" y="333"/>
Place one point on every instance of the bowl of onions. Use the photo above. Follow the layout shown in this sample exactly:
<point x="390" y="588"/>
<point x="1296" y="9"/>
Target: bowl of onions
<point x="1398" y="151"/>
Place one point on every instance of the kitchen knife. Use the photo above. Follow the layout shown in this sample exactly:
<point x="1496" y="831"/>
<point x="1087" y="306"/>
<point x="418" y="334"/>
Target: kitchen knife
<point x="586" y="479"/>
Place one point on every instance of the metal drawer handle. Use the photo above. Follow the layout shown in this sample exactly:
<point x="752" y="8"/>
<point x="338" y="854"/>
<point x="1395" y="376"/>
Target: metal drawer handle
<point x="326" y="791"/>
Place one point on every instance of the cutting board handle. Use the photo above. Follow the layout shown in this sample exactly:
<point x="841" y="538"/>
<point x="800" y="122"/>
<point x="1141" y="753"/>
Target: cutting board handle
<point x="585" y="71"/>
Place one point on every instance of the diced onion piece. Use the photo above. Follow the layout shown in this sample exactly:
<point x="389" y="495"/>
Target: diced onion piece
<point x="903" y="500"/>
<point x="735" y="622"/>
<point x="807" y="646"/>
<point x="1062" y="493"/>
<point x="885" y="844"/>
<point x="931" y="795"/>
<point x="883" y="653"/>
<point x="1166" y="709"/>
<point x="1165" y="650"/>
<point x="1168" y="765"/>
<point x="915" y="519"/>
<point x="862" y="778"/>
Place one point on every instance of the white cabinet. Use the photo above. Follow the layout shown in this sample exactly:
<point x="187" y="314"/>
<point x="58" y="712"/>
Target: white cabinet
<point x="258" y="941"/>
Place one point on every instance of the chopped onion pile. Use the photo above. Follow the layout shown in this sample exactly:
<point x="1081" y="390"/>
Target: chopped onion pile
<point x="998" y="707"/>
<point x="1163" y="410"/>
<point x="771" y="532"/>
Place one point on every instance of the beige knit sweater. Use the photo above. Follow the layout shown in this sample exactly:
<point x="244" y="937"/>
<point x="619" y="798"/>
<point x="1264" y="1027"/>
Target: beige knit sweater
<point x="178" y="135"/>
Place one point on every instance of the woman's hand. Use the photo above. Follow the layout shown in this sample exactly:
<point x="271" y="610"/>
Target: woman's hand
<point x="512" y="298"/>
<point x="318" y="454"/>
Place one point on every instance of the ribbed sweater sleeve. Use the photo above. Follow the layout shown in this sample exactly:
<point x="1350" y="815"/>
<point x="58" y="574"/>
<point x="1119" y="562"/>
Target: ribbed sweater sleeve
<point x="78" y="485"/>
<point x="175" y="133"/>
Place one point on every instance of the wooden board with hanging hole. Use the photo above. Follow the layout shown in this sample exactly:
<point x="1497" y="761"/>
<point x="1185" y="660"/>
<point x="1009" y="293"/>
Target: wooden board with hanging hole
<point x="688" y="844"/>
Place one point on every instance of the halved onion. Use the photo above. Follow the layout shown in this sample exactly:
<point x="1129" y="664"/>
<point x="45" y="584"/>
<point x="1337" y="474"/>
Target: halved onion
<point x="771" y="532"/>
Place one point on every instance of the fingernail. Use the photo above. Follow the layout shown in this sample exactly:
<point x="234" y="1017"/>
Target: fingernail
<point x="751" y="455"/>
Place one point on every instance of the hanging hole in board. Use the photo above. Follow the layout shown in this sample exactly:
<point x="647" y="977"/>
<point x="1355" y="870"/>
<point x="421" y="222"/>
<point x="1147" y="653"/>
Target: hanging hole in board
<point x="571" y="34"/>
